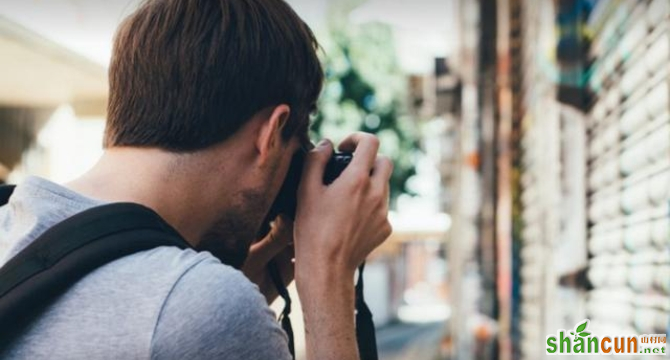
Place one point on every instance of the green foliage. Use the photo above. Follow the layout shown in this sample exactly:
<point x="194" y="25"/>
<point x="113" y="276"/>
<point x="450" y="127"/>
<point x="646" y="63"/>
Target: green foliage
<point x="365" y="91"/>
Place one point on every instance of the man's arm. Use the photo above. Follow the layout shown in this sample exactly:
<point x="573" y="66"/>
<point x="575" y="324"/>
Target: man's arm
<point x="336" y="227"/>
<point x="327" y="300"/>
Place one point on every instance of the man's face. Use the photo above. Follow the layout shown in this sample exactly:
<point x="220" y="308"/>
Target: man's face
<point x="232" y="235"/>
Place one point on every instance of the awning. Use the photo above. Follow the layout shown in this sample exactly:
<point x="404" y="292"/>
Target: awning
<point x="38" y="73"/>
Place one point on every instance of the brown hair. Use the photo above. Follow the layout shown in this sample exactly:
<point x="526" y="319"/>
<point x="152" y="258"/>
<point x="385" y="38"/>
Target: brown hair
<point x="187" y="74"/>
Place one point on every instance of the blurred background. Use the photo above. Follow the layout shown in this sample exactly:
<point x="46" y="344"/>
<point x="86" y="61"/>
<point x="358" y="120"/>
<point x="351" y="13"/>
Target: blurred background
<point x="531" y="142"/>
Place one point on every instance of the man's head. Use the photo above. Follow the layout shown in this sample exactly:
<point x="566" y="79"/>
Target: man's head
<point x="187" y="76"/>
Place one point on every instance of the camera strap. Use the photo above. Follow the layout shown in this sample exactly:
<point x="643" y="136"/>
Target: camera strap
<point x="365" y="329"/>
<point x="284" y="320"/>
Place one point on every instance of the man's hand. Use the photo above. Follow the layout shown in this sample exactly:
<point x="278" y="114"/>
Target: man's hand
<point x="336" y="227"/>
<point x="278" y="245"/>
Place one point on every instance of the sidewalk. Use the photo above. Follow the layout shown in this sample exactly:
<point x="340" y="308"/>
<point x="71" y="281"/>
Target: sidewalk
<point x="405" y="341"/>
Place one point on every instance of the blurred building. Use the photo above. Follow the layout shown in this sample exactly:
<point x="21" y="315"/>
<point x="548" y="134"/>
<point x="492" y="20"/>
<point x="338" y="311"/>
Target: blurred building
<point x="565" y="107"/>
<point x="45" y="82"/>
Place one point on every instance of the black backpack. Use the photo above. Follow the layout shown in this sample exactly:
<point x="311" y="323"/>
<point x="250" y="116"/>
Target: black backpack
<point x="71" y="249"/>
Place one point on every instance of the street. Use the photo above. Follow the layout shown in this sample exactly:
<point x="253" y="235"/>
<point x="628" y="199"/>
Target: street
<point x="401" y="341"/>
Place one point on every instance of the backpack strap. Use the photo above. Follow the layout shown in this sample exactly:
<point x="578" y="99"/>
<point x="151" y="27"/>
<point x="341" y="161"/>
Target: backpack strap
<point x="70" y="250"/>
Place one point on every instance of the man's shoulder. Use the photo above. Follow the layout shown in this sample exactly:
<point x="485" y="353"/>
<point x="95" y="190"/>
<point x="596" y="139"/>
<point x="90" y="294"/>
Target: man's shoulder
<point x="214" y="311"/>
<point x="150" y="279"/>
<point x="193" y="273"/>
<point x="180" y="272"/>
<point x="196" y="283"/>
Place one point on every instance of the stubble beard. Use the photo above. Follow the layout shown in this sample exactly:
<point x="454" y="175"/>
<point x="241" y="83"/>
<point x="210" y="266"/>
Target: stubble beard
<point x="232" y="235"/>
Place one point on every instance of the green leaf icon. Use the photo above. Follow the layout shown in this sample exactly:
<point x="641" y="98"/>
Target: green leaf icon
<point x="581" y="327"/>
<point x="572" y="333"/>
<point x="584" y="333"/>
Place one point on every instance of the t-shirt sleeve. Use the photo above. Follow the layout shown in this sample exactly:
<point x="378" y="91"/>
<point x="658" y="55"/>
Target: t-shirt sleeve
<point x="215" y="312"/>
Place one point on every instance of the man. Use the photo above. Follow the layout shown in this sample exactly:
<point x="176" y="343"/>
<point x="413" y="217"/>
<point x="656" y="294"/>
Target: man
<point x="209" y="100"/>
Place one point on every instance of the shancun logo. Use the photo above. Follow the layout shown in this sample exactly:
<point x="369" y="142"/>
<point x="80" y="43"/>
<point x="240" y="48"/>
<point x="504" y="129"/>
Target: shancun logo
<point x="580" y="341"/>
<point x="580" y="330"/>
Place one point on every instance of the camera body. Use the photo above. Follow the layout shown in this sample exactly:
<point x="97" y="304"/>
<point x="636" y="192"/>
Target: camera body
<point x="285" y="202"/>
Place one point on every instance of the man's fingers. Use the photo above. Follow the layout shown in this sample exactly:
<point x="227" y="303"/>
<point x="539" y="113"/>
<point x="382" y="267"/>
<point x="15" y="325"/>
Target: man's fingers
<point x="364" y="146"/>
<point x="380" y="178"/>
<point x="315" y="163"/>
<point x="280" y="236"/>
<point x="283" y="228"/>
<point x="382" y="169"/>
<point x="264" y="250"/>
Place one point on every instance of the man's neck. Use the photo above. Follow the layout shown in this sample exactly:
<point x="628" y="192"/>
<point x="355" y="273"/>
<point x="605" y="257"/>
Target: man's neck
<point x="162" y="181"/>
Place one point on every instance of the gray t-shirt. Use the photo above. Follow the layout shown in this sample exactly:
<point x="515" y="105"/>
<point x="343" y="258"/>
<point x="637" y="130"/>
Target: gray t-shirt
<point x="163" y="303"/>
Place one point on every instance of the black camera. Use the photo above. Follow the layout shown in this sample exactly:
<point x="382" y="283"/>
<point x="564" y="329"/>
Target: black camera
<point x="285" y="203"/>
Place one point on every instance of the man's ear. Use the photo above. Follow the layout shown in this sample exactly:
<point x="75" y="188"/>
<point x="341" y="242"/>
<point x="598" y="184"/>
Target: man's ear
<point x="270" y="130"/>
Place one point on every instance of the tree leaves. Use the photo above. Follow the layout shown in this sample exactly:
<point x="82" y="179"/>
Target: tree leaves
<point x="363" y="81"/>
<point x="584" y="333"/>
